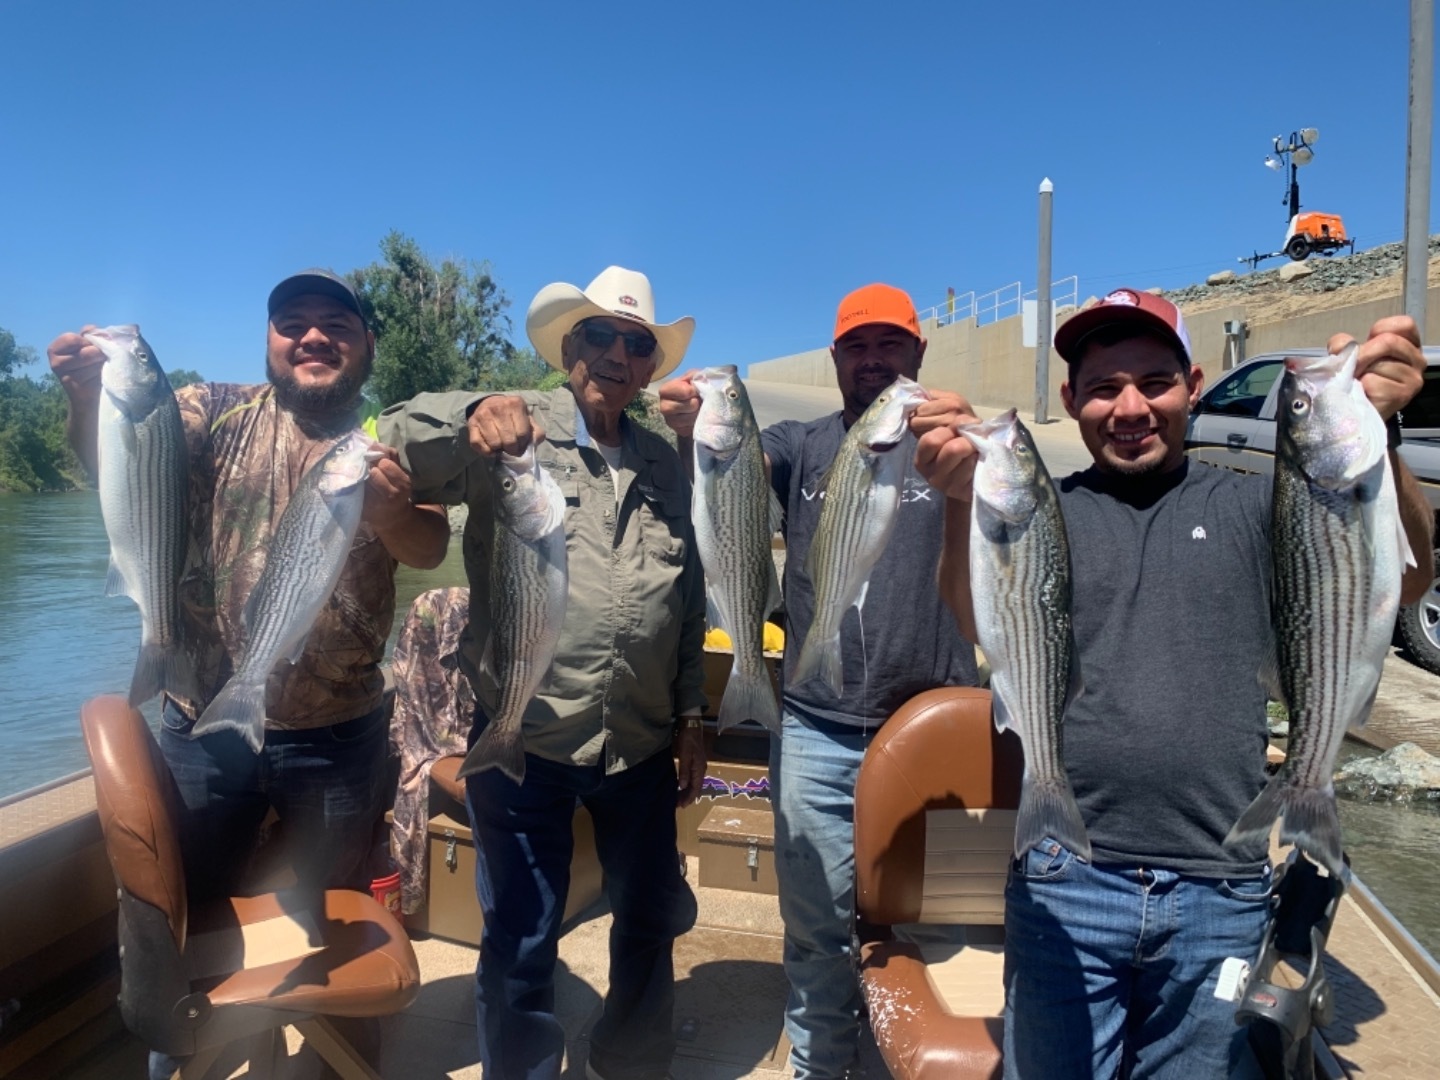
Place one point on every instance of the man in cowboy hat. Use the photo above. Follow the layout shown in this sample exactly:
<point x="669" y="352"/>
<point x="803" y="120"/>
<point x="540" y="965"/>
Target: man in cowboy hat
<point x="624" y="690"/>
<point x="907" y="643"/>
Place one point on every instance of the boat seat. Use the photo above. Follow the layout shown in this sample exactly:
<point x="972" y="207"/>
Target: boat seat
<point x="934" y="831"/>
<point x="196" y="980"/>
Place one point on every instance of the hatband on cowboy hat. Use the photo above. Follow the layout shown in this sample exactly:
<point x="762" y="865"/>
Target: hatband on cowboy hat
<point x="624" y="294"/>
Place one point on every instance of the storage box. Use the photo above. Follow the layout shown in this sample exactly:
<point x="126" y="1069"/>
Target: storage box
<point x="452" y="910"/>
<point x="728" y="784"/>
<point x="737" y="849"/>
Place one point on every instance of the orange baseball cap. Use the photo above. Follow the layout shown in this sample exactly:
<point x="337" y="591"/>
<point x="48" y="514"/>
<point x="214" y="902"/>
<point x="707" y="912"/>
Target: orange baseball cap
<point x="876" y="304"/>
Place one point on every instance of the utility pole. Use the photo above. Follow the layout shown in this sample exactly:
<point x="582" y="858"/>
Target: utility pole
<point x="1417" y="159"/>
<point x="1044" y="313"/>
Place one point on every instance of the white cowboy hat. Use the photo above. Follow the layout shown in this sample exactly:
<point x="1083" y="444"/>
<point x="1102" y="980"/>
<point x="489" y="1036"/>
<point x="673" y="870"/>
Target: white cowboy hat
<point x="617" y="291"/>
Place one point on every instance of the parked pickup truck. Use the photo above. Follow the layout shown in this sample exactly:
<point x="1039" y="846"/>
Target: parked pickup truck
<point x="1233" y="426"/>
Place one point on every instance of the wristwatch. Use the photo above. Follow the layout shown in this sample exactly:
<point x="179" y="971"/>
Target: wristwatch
<point x="688" y="723"/>
<point x="1394" y="436"/>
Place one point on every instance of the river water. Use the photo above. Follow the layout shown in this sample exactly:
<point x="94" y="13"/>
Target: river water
<point x="63" y="641"/>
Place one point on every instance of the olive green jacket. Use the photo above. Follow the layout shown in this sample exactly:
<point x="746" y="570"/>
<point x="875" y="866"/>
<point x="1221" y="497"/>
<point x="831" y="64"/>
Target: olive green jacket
<point x="631" y="651"/>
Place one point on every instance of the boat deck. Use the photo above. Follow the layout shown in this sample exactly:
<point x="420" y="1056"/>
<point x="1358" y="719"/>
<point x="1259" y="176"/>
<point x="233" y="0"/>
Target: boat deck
<point x="730" y="995"/>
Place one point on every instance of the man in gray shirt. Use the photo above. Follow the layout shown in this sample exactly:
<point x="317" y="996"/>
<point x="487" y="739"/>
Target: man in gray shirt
<point x="1111" y="965"/>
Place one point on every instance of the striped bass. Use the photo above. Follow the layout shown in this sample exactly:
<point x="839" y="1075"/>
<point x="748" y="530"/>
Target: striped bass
<point x="861" y="494"/>
<point x="1338" y="554"/>
<point x="529" y="581"/>
<point x="1020" y="587"/>
<point x="143" y="479"/>
<point x="303" y="563"/>
<point x="736" y="513"/>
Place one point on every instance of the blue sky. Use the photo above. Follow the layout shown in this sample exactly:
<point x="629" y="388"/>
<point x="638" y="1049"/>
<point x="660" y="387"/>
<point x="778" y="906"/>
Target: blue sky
<point x="168" y="163"/>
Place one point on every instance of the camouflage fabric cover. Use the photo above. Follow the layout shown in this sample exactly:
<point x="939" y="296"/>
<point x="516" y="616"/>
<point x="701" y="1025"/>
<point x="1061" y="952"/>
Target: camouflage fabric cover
<point x="247" y="455"/>
<point x="434" y="707"/>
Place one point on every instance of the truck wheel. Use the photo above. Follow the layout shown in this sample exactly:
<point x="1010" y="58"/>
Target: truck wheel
<point x="1420" y="627"/>
<point x="1298" y="248"/>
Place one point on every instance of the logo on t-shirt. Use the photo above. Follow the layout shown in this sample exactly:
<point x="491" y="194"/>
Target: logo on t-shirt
<point x="1197" y="533"/>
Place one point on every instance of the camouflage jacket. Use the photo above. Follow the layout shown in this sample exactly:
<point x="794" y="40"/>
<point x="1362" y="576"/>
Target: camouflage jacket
<point x="247" y="456"/>
<point x="434" y="708"/>
<point x="631" y="651"/>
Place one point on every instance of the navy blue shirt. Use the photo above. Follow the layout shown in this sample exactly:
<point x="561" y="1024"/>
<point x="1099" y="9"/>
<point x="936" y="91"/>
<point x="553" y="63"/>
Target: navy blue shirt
<point x="1165" y="746"/>
<point x="906" y="640"/>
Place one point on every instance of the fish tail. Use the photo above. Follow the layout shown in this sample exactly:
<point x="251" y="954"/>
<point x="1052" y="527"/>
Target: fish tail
<point x="238" y="707"/>
<point x="1048" y="808"/>
<point x="500" y="746"/>
<point x="749" y="697"/>
<point x="821" y="658"/>
<point x="161" y="667"/>
<point x="1312" y="821"/>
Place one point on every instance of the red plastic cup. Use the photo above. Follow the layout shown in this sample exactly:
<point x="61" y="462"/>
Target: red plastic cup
<point x="386" y="891"/>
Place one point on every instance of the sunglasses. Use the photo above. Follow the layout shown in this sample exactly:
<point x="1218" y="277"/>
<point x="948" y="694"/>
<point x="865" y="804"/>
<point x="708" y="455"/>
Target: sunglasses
<point x="600" y="336"/>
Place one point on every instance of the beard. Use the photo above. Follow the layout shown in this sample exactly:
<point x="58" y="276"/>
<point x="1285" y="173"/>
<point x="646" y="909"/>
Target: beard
<point x="340" y="395"/>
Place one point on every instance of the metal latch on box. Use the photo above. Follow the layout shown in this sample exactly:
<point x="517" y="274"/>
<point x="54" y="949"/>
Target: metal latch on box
<point x="752" y="857"/>
<point x="451" y="859"/>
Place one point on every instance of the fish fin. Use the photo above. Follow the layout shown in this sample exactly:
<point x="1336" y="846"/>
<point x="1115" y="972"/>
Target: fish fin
<point x="487" y="659"/>
<point x="1270" y="675"/>
<point x="159" y="668"/>
<point x="750" y="698"/>
<point x="1407" y="554"/>
<point x="774" y="599"/>
<point x="1312" y="822"/>
<point x="775" y="512"/>
<point x="859" y="604"/>
<point x="500" y="746"/>
<point x="713" y="618"/>
<point x="1076" y="687"/>
<point x="821" y="659"/>
<point x="999" y="710"/>
<point x="1049" y="809"/>
<point x="1359" y="719"/>
<point x="239" y="707"/>
<point x="115" y="584"/>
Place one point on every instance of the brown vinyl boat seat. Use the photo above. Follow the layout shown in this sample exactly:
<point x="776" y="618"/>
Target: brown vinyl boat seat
<point x="196" y="980"/>
<point x="934" y="830"/>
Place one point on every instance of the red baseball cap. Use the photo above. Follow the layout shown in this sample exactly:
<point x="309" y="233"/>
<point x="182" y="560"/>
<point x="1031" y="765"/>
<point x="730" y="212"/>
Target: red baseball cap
<point x="876" y="304"/>
<point x="1123" y="306"/>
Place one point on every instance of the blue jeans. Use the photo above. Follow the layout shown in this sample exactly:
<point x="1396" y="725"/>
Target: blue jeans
<point x="1111" y="970"/>
<point x="524" y="840"/>
<point x="326" y="784"/>
<point x="813" y="766"/>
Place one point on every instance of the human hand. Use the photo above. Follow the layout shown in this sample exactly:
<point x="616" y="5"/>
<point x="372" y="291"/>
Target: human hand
<point x="680" y="405"/>
<point x="502" y="424"/>
<point x="77" y="363"/>
<point x="943" y="456"/>
<point x="387" y="490"/>
<point x="1390" y="364"/>
<point x="690" y="771"/>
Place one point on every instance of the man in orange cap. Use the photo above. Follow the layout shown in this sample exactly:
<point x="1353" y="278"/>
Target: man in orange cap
<point x="909" y="643"/>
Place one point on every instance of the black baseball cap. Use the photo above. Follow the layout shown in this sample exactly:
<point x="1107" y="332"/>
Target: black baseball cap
<point x="316" y="282"/>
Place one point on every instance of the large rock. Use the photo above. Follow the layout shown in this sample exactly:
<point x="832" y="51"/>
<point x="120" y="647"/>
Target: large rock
<point x="1291" y="271"/>
<point x="1220" y="277"/>
<point x="1404" y="773"/>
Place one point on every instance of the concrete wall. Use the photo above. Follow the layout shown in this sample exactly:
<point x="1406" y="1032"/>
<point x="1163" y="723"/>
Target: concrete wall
<point x="990" y="366"/>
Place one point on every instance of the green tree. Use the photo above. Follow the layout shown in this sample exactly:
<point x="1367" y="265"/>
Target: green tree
<point x="183" y="377"/>
<point x="521" y="370"/>
<point x="438" y="326"/>
<point x="34" y="455"/>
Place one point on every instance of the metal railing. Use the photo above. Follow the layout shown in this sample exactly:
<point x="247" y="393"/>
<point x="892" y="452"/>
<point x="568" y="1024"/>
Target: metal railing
<point x="997" y="304"/>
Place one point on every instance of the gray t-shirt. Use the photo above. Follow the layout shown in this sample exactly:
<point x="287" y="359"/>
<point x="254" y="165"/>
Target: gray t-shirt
<point x="907" y="641"/>
<point x="1166" y="745"/>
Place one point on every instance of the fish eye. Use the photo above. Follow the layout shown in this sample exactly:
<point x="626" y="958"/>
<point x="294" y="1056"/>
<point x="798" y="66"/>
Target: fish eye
<point x="1299" y="405"/>
<point x="732" y="395"/>
<point x="1022" y="450"/>
<point x="507" y="485"/>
